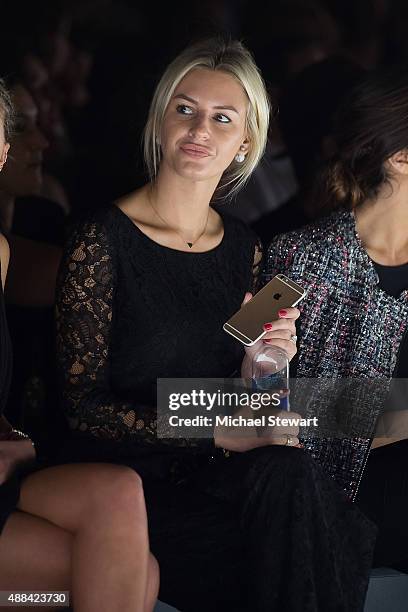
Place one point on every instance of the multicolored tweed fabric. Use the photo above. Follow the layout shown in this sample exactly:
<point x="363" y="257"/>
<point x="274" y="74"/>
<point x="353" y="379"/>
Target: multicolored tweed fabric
<point x="349" y="327"/>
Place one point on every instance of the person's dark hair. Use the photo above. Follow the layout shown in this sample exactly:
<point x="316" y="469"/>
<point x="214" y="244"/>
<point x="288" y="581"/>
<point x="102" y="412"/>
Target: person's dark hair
<point x="370" y="127"/>
<point x="7" y="110"/>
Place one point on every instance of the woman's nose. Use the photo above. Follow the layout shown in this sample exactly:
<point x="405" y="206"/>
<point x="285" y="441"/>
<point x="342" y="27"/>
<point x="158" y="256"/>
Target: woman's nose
<point x="200" y="128"/>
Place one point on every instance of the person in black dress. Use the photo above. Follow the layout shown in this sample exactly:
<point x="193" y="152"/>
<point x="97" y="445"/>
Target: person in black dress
<point x="64" y="527"/>
<point x="144" y="289"/>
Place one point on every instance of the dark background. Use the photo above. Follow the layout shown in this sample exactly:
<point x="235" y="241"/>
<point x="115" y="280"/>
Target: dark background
<point x="91" y="67"/>
<point x="101" y="59"/>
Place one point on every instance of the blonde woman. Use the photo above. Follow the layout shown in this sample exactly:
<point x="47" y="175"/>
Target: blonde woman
<point x="79" y="528"/>
<point x="145" y="287"/>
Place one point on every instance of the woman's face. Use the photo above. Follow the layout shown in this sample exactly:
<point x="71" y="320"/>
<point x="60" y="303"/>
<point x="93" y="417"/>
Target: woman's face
<point x="204" y="125"/>
<point x="22" y="175"/>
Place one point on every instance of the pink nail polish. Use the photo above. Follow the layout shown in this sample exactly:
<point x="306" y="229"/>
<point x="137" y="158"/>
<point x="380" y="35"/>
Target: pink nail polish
<point x="283" y="312"/>
<point x="268" y="326"/>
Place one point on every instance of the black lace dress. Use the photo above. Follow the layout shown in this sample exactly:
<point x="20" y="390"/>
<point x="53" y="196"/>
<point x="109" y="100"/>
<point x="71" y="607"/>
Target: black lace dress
<point x="264" y="530"/>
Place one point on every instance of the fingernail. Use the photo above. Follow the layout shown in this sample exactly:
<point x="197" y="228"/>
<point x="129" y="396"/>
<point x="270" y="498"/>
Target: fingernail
<point x="267" y="341"/>
<point x="268" y="326"/>
<point x="283" y="313"/>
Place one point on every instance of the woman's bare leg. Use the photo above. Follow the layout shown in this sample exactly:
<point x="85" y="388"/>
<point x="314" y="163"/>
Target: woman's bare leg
<point x="153" y="583"/>
<point x="34" y="556"/>
<point x="102" y="506"/>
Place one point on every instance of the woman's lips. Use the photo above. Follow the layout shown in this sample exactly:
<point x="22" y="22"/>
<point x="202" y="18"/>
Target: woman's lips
<point x="195" y="151"/>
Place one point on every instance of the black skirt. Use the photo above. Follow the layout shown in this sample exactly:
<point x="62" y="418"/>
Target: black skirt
<point x="259" y="531"/>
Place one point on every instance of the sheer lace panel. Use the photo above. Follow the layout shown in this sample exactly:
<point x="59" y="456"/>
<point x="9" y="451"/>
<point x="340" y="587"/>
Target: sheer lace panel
<point x="85" y="294"/>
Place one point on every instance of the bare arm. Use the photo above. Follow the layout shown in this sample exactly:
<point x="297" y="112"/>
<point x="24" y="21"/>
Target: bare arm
<point x="392" y="427"/>
<point x="4" y="258"/>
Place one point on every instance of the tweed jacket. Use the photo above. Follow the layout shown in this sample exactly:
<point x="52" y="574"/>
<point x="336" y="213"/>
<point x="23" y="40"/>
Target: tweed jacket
<point x="349" y="327"/>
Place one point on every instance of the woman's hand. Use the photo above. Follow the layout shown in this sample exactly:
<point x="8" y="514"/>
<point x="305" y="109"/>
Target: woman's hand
<point x="278" y="333"/>
<point x="284" y="434"/>
<point x="392" y="426"/>
<point x="242" y="439"/>
<point x="12" y="454"/>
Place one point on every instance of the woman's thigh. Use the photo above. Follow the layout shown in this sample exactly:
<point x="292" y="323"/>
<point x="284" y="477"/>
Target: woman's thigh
<point x="34" y="554"/>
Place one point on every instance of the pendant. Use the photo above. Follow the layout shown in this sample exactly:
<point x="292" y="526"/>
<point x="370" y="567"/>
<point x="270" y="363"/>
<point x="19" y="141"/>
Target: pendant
<point x="190" y="245"/>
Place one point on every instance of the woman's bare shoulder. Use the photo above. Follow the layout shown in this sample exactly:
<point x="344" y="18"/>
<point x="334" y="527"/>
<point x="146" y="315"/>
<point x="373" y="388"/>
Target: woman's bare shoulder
<point x="4" y="257"/>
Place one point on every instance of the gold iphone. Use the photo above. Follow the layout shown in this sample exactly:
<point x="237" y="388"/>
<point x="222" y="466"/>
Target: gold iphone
<point x="246" y="325"/>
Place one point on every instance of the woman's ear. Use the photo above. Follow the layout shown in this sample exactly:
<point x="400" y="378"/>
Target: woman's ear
<point x="245" y="146"/>
<point x="399" y="162"/>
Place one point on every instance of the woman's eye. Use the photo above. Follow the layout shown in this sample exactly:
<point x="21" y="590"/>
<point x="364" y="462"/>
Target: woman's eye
<point x="184" y="110"/>
<point x="222" y="118"/>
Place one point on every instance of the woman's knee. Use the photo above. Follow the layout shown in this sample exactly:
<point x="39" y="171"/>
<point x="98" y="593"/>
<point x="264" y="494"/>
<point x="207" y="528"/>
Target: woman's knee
<point x="71" y="495"/>
<point x="115" y="488"/>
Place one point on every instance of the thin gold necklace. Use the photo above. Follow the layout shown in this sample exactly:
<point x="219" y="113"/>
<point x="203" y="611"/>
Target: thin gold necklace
<point x="189" y="244"/>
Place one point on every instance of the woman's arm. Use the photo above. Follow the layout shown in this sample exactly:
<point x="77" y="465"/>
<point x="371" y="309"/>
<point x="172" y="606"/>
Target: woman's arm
<point x="392" y="426"/>
<point x="4" y="258"/>
<point x="84" y="310"/>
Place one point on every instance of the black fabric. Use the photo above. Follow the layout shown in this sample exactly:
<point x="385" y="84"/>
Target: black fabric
<point x="9" y="491"/>
<point x="33" y="392"/>
<point x="260" y="531"/>
<point x="130" y="311"/>
<point x="383" y="493"/>
<point x="394" y="280"/>
<point x="5" y="353"/>
<point x="383" y="497"/>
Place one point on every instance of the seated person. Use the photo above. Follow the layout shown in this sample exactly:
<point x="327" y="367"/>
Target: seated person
<point x="79" y="528"/>
<point x="354" y="265"/>
<point x="243" y="522"/>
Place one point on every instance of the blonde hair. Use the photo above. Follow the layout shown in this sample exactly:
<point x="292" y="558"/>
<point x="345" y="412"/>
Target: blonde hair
<point x="232" y="58"/>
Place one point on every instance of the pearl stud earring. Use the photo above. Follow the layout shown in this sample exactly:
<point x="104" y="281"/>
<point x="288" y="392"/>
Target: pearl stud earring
<point x="240" y="157"/>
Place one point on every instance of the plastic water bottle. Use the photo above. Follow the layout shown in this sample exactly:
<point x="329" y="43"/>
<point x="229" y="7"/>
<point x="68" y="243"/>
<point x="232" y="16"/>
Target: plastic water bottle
<point x="270" y="373"/>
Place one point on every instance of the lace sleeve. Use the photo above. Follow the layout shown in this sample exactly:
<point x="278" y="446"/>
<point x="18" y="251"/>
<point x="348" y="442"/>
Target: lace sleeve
<point x="257" y="267"/>
<point x="85" y="290"/>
